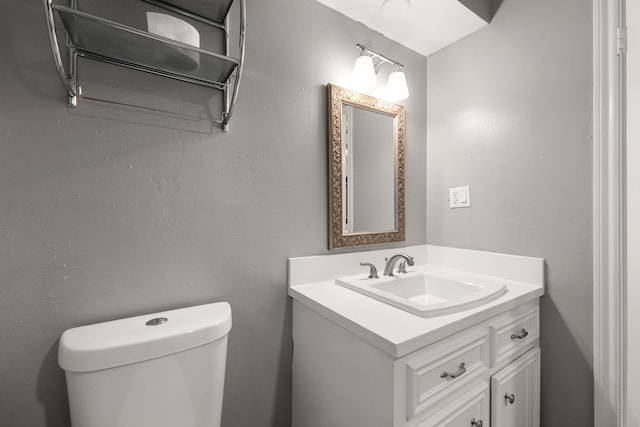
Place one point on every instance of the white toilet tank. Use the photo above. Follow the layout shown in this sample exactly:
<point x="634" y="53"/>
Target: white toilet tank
<point x="157" y="370"/>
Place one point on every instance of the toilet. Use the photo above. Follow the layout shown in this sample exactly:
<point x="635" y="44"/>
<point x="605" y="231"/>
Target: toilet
<point x="158" y="370"/>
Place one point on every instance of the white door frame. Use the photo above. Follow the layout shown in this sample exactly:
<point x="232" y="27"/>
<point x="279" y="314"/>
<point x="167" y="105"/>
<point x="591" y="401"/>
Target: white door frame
<point x="609" y="314"/>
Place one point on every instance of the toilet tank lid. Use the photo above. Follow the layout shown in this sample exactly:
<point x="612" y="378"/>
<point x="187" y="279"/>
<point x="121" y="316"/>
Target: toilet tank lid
<point x="130" y="340"/>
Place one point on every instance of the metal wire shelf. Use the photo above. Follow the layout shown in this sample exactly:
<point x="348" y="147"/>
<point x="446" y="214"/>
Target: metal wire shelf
<point x="100" y="39"/>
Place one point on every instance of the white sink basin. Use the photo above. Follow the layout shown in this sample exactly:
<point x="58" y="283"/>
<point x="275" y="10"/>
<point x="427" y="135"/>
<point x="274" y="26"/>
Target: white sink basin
<point x="423" y="294"/>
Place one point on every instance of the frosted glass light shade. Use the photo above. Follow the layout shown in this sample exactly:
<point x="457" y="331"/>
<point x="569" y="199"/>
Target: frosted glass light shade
<point x="397" y="89"/>
<point x="364" y="75"/>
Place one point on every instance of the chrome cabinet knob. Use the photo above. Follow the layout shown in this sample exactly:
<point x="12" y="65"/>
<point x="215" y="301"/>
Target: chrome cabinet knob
<point x="510" y="397"/>
<point x="476" y="423"/>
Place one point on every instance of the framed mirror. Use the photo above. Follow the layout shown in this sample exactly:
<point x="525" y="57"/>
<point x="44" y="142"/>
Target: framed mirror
<point x="366" y="169"/>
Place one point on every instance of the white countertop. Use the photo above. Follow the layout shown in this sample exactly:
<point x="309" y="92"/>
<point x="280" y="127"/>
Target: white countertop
<point x="398" y="332"/>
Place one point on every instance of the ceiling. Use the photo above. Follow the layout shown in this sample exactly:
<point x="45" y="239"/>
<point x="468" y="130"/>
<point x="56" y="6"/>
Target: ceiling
<point x="428" y="25"/>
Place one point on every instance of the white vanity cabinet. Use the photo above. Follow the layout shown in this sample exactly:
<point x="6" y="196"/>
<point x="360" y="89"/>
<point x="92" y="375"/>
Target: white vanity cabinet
<point x="515" y="393"/>
<point x="470" y="409"/>
<point x="485" y="374"/>
<point x="513" y="398"/>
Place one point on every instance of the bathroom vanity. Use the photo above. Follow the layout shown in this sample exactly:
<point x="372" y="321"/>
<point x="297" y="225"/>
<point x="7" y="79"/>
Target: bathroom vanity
<point x="359" y="361"/>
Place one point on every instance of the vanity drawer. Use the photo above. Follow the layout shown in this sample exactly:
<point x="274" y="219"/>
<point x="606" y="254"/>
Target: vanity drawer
<point x="513" y="333"/>
<point x="435" y="372"/>
<point x="472" y="408"/>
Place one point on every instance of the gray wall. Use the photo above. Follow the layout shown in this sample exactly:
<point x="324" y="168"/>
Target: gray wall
<point x="509" y="113"/>
<point x="108" y="211"/>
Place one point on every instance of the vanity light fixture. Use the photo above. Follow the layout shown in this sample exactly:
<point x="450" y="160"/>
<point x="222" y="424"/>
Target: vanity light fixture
<point x="364" y="74"/>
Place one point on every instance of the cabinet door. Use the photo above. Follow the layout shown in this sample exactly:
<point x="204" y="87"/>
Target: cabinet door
<point x="515" y="393"/>
<point x="470" y="409"/>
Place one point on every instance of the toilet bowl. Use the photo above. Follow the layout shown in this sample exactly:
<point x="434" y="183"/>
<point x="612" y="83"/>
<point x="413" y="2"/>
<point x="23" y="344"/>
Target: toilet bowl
<point x="162" y="370"/>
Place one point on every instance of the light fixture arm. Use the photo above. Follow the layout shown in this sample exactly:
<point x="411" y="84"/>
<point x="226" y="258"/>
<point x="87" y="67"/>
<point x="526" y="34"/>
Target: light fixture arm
<point x="379" y="56"/>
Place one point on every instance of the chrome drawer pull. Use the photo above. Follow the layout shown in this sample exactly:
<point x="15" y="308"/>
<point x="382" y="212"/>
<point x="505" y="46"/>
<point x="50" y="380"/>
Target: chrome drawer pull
<point x="510" y="397"/>
<point x="476" y="423"/>
<point x="523" y="334"/>
<point x="461" y="370"/>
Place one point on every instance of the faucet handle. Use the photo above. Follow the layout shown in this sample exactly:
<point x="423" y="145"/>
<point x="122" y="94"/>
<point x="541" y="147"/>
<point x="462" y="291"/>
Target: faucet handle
<point x="402" y="268"/>
<point x="373" y="272"/>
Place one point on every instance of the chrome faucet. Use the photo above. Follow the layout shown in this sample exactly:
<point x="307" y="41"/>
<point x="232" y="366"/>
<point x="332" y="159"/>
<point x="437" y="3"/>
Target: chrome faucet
<point x="391" y="262"/>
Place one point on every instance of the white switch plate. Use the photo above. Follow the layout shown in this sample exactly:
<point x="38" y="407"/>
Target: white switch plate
<point x="459" y="197"/>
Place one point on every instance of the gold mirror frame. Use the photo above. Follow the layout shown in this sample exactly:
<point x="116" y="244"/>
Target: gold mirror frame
<point x="337" y="97"/>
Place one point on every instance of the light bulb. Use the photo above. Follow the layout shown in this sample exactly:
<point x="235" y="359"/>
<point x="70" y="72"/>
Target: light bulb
<point x="364" y="74"/>
<point x="397" y="89"/>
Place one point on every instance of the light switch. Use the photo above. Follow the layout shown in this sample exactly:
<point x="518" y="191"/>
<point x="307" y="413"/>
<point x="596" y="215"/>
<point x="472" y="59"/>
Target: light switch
<point x="459" y="197"/>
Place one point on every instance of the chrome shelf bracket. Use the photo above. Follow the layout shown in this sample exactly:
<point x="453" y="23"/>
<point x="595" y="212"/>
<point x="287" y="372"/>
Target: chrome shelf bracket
<point x="68" y="80"/>
<point x="230" y="103"/>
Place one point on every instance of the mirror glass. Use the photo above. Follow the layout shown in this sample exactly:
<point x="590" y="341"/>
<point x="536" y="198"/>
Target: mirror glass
<point x="366" y="169"/>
